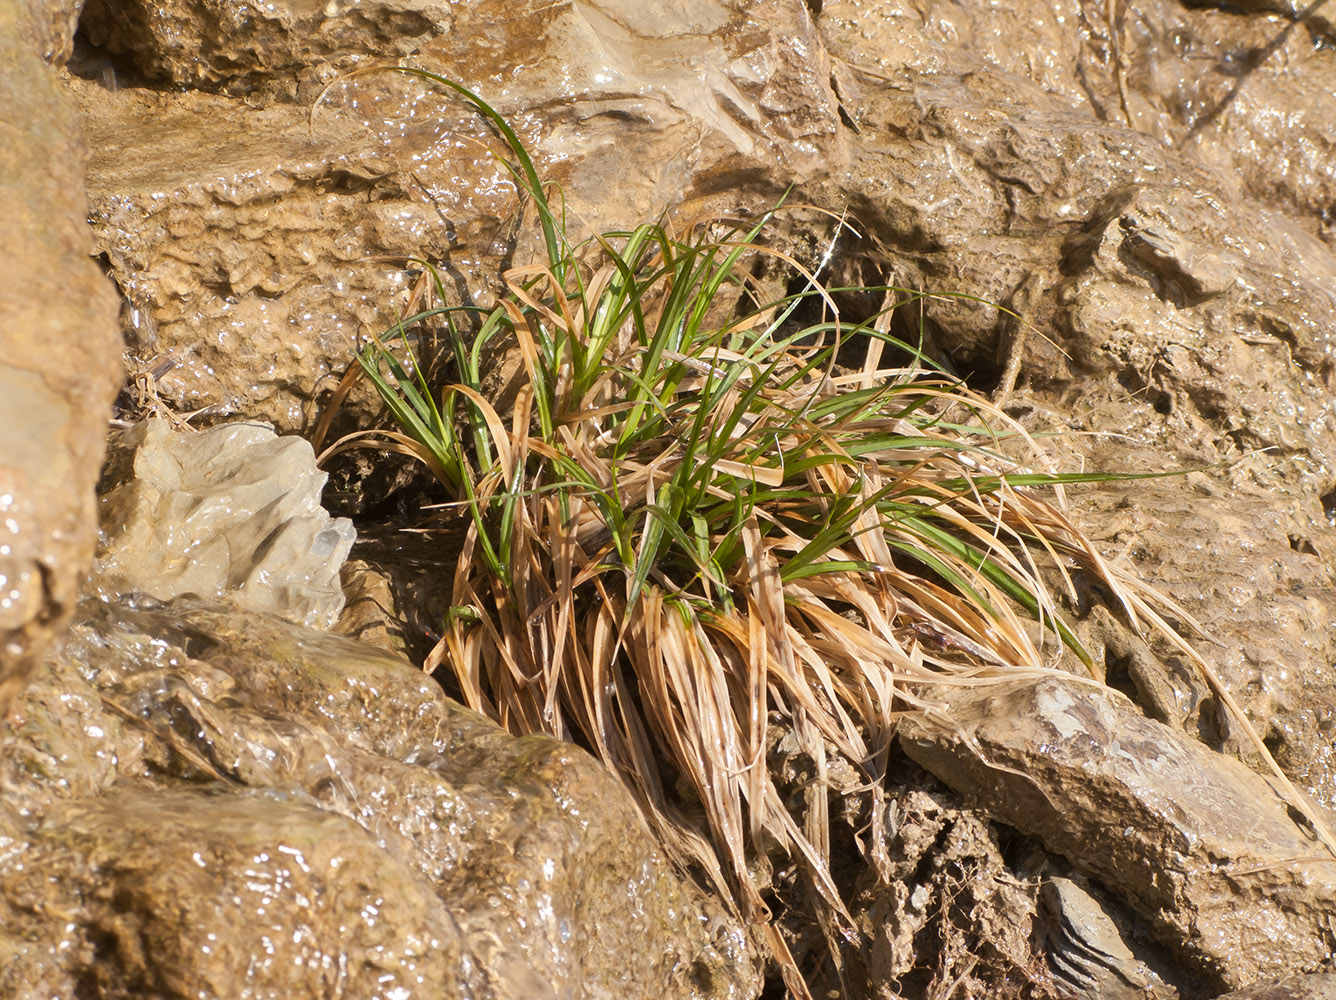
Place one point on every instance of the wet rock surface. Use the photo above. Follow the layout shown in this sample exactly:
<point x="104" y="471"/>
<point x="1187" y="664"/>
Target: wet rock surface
<point x="1198" y="846"/>
<point x="58" y="349"/>
<point x="247" y="807"/>
<point x="1252" y="564"/>
<point x="215" y="45"/>
<point x="230" y="511"/>
<point x="1149" y="185"/>
<point x="1098" y="169"/>
<point x="1321" y="986"/>
<point x="254" y="246"/>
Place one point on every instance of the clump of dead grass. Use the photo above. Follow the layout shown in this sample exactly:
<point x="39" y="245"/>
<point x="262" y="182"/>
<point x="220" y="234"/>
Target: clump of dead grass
<point x="693" y="526"/>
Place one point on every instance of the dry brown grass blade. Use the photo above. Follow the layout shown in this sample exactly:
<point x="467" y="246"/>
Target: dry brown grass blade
<point x="391" y="441"/>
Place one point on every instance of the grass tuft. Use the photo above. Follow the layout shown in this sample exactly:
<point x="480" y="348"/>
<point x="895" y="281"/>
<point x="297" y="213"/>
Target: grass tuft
<point x="693" y="526"/>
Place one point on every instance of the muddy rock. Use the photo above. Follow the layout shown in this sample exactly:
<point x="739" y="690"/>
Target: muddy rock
<point x="991" y="185"/>
<point x="188" y="893"/>
<point x="1243" y="93"/>
<point x="1250" y="557"/>
<point x="1088" y="953"/>
<point x="252" y="246"/>
<point x="1321" y="986"/>
<point x="232" y="511"/>
<point x="1010" y="172"/>
<point x="943" y="880"/>
<point x="250" y="807"/>
<point x="1193" y="842"/>
<point x="59" y="345"/>
<point x="1240" y="94"/>
<point x="1170" y="253"/>
<point x="211" y="44"/>
<point x="255" y="245"/>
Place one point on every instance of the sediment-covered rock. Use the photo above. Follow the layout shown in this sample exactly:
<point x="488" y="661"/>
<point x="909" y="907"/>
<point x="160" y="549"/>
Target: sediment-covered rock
<point x="1197" y="845"/>
<point x="1096" y="171"/>
<point x="214" y="44"/>
<point x="255" y="245"/>
<point x="59" y="349"/>
<point x="247" y="806"/>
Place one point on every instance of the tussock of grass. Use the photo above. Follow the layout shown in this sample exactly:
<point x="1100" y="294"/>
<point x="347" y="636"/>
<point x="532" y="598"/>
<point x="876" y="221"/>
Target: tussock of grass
<point x="690" y="529"/>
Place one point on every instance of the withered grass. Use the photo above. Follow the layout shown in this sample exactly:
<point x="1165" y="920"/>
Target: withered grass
<point x="693" y="526"/>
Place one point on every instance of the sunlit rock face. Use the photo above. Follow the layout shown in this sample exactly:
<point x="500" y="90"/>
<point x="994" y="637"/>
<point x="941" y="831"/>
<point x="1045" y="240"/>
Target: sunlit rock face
<point x="205" y="801"/>
<point x="256" y="236"/>
<point x="59" y="366"/>
<point x="1202" y="849"/>
<point x="1152" y="196"/>
<point x="1149" y="186"/>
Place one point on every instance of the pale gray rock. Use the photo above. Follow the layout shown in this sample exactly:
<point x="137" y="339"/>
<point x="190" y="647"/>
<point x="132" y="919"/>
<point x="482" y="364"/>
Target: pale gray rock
<point x="1087" y="952"/>
<point x="1200" y="847"/>
<point x="234" y="512"/>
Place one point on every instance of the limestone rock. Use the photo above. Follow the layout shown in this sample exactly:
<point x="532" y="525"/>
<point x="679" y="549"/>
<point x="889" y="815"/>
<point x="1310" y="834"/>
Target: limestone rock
<point x="248" y="807"/>
<point x="1196" y="844"/>
<point x="1319" y="986"/>
<point x="231" y="511"/>
<point x="212" y="44"/>
<point x="1150" y="193"/>
<point x="255" y="245"/>
<point x="188" y="893"/>
<point x="58" y="355"/>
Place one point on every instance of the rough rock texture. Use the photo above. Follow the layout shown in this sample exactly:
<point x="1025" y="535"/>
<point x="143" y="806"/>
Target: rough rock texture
<point x="232" y="511"/>
<point x="1149" y="184"/>
<point x="58" y="354"/>
<point x="1254" y="567"/>
<point x="255" y="246"/>
<point x="211" y="44"/>
<point x="1153" y="198"/>
<point x="1321" y="986"/>
<point x="947" y="908"/>
<point x="243" y="243"/>
<point x="48" y="26"/>
<point x="246" y="807"/>
<point x="1088" y="952"/>
<point x="1195" y="843"/>
<point x="188" y="893"/>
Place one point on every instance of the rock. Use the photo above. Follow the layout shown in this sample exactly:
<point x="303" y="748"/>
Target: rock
<point x="232" y="511"/>
<point x="187" y="893"/>
<point x="212" y="44"/>
<point x="944" y="880"/>
<point x="1170" y="249"/>
<point x="255" y="246"/>
<point x="241" y="239"/>
<point x="370" y="614"/>
<point x="1193" y="842"/>
<point x="1319" y="986"/>
<point x="1251" y="560"/>
<point x="247" y="806"/>
<point x="58" y="352"/>
<point x="1087" y="952"/>
<point x="47" y="26"/>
